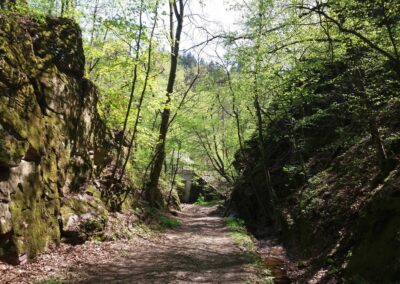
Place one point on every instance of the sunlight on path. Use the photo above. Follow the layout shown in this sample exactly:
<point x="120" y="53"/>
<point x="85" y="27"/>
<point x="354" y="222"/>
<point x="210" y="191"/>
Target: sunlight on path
<point x="199" y="251"/>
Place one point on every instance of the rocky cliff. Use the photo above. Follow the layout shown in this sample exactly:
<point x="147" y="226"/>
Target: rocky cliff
<point x="52" y="141"/>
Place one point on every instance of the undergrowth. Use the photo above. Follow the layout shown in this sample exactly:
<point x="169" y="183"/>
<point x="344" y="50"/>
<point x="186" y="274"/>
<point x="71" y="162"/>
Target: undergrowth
<point x="245" y="241"/>
<point x="161" y="221"/>
<point x="203" y="202"/>
<point x="239" y="233"/>
<point x="166" y="222"/>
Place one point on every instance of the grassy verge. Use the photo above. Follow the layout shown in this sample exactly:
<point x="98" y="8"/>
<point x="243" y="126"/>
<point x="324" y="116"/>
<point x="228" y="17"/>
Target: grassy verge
<point x="239" y="234"/>
<point x="245" y="241"/>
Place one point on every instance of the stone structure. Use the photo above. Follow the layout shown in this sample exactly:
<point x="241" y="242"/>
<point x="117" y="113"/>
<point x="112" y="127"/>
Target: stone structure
<point x="187" y="175"/>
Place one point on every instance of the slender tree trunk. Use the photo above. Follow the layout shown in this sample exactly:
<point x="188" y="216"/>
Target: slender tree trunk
<point x="271" y="194"/>
<point x="174" y="173"/>
<point x="133" y="88"/>
<point x="235" y="111"/>
<point x="92" y="34"/>
<point x="153" y="194"/>
<point x="271" y="210"/>
<point x="380" y="148"/>
<point x="381" y="153"/>
<point x="51" y="7"/>
<point x="142" y="95"/>
<point x="62" y="8"/>
<point x="215" y="161"/>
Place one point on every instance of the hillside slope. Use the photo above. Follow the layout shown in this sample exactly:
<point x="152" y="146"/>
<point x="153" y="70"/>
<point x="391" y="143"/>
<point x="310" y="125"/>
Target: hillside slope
<point x="335" y="208"/>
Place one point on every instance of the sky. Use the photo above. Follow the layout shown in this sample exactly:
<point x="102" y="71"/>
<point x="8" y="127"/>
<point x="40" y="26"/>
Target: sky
<point x="219" y="12"/>
<point x="216" y="17"/>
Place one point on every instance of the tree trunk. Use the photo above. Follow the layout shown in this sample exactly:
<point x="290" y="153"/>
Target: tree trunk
<point x="381" y="155"/>
<point x="153" y="193"/>
<point x="271" y="209"/>
<point x="174" y="170"/>
<point x="144" y="89"/>
<point x="133" y="89"/>
<point x="270" y="191"/>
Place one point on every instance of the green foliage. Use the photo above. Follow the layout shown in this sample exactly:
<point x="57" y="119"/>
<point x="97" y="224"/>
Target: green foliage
<point x="162" y="221"/>
<point x="168" y="222"/>
<point x="202" y="202"/>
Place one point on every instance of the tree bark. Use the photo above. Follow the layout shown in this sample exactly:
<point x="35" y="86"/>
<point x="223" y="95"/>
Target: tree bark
<point x="271" y="210"/>
<point x="133" y="88"/>
<point x="381" y="155"/>
<point x="141" y="99"/>
<point x="174" y="169"/>
<point x="153" y="193"/>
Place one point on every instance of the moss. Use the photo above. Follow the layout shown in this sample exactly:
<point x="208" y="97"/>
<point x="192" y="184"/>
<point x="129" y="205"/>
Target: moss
<point x="11" y="150"/>
<point x="93" y="191"/>
<point x="48" y="115"/>
<point x="239" y="233"/>
<point x="90" y="218"/>
<point x="93" y="228"/>
<point x="33" y="210"/>
<point x="128" y="203"/>
<point x="202" y="202"/>
<point x="162" y="221"/>
<point x="76" y="206"/>
<point x="49" y="168"/>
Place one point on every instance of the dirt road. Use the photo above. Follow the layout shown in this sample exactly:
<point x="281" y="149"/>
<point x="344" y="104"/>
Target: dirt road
<point x="198" y="251"/>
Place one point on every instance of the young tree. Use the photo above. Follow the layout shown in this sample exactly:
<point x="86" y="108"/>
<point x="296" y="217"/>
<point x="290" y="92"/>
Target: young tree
<point x="177" y="9"/>
<point x="133" y="89"/>
<point x="143" y="93"/>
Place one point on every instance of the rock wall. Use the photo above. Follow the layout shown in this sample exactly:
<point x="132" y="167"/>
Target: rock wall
<point x="52" y="141"/>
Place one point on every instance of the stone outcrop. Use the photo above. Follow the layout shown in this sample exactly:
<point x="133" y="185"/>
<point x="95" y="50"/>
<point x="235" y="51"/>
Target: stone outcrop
<point x="52" y="141"/>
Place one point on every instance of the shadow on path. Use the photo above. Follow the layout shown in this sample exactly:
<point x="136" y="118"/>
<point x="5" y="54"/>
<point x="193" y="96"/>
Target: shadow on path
<point x="199" y="251"/>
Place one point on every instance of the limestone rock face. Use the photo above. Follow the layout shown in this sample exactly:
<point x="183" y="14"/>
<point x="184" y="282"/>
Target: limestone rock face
<point x="50" y="131"/>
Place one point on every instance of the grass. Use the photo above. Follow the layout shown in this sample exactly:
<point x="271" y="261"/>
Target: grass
<point x="162" y="222"/>
<point x="202" y="202"/>
<point x="244" y="240"/>
<point x="168" y="222"/>
<point x="239" y="233"/>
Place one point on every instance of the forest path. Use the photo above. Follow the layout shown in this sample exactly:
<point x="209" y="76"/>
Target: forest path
<point x="198" y="251"/>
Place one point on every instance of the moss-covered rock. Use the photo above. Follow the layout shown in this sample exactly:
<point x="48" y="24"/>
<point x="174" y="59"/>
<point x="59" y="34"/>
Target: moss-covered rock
<point x="52" y="141"/>
<point x="83" y="217"/>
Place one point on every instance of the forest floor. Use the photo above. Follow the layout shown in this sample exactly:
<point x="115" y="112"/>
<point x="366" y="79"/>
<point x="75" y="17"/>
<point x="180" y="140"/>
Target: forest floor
<point x="200" y="250"/>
